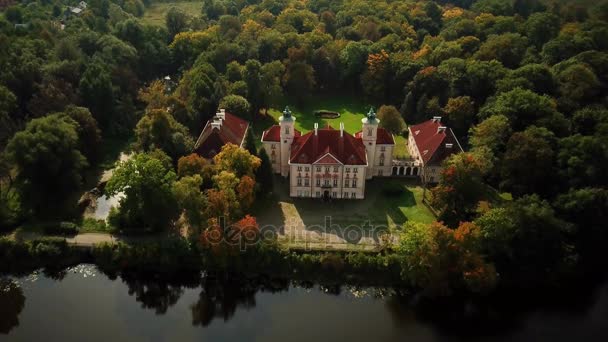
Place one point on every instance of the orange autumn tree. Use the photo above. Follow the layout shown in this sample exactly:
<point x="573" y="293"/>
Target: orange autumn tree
<point x="224" y="240"/>
<point x="245" y="191"/>
<point x="460" y="188"/>
<point x="375" y="79"/>
<point x="441" y="260"/>
<point x="190" y="165"/>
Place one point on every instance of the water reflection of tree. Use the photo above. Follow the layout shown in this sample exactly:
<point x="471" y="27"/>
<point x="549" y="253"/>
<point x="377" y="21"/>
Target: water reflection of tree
<point x="222" y="294"/>
<point x="12" y="302"/>
<point x="154" y="294"/>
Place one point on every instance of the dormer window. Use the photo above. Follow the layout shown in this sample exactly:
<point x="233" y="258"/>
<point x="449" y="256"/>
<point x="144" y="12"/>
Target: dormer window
<point x="416" y="133"/>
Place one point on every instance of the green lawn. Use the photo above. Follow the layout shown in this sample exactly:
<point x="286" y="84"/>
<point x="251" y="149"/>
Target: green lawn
<point x="378" y="207"/>
<point x="155" y="14"/>
<point x="351" y="111"/>
<point x="400" y="151"/>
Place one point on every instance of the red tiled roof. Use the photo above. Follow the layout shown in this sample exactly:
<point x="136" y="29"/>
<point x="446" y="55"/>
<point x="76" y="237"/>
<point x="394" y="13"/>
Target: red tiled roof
<point x="383" y="137"/>
<point x="309" y="148"/>
<point x="274" y="134"/>
<point x="212" y="139"/>
<point x="431" y="142"/>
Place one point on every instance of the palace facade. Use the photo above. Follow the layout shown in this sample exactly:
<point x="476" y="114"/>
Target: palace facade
<point x="327" y="162"/>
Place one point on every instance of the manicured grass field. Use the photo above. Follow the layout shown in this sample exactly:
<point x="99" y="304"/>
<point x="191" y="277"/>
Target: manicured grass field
<point x="155" y="14"/>
<point x="378" y="208"/>
<point x="351" y="110"/>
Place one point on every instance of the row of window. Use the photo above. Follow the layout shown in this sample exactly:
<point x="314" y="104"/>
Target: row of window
<point x="302" y="193"/>
<point x="326" y="182"/>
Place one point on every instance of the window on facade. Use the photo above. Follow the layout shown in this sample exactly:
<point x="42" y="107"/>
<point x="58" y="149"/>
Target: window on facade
<point x="306" y="182"/>
<point x="380" y="172"/>
<point x="335" y="181"/>
<point x="345" y="195"/>
<point x="286" y="129"/>
<point x="299" y="168"/>
<point x="273" y="146"/>
<point x="353" y="195"/>
<point x="355" y="183"/>
<point x="348" y="170"/>
<point x="346" y="183"/>
<point x="307" y="169"/>
<point x="318" y="169"/>
<point x="335" y="169"/>
<point x="327" y="169"/>
<point x="318" y="194"/>
<point x="318" y="182"/>
<point x="334" y="194"/>
<point x="355" y="170"/>
<point x="299" y="181"/>
<point x="326" y="182"/>
<point x="382" y="159"/>
<point x="382" y="148"/>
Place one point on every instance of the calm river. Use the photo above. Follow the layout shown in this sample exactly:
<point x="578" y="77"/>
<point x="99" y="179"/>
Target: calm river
<point x="83" y="304"/>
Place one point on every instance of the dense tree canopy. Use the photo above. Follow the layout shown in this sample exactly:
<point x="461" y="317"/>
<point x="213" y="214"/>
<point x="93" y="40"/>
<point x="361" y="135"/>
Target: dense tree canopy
<point x="522" y="83"/>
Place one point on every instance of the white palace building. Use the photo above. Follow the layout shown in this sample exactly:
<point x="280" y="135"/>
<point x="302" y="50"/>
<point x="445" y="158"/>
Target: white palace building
<point x="331" y="164"/>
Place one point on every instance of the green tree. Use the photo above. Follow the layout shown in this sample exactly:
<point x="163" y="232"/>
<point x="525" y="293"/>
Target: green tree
<point x="526" y="241"/>
<point x="391" y="119"/>
<point x="176" y="21"/>
<point x="250" y="142"/>
<point x="524" y="108"/>
<point x="191" y="200"/>
<point x="529" y="162"/>
<point x="158" y="129"/>
<point x="48" y="161"/>
<point x="97" y="94"/>
<point x="263" y="174"/>
<point x="508" y="48"/>
<point x="89" y="135"/>
<point x="8" y="103"/>
<point x="578" y="83"/>
<point x="542" y="27"/>
<point x="299" y="80"/>
<point x="460" y="114"/>
<point x="237" y="160"/>
<point x="460" y="188"/>
<point x="148" y="202"/>
<point x="236" y="105"/>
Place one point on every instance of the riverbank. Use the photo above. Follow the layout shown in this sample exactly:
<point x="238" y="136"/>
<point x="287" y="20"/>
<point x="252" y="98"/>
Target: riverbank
<point x="178" y="258"/>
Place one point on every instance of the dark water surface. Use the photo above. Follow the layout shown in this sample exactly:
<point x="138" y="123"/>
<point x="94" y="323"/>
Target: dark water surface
<point x="85" y="305"/>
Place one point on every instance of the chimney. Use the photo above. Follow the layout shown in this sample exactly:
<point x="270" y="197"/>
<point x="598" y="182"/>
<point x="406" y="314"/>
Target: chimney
<point x="441" y="129"/>
<point x="221" y="114"/>
<point x="216" y="124"/>
<point x="436" y="118"/>
<point x="341" y="129"/>
<point x="316" y="128"/>
<point x="449" y="145"/>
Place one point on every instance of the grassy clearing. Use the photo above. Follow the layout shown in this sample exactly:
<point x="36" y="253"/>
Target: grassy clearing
<point x="378" y="208"/>
<point x="400" y="151"/>
<point x="351" y="112"/>
<point x="155" y="14"/>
